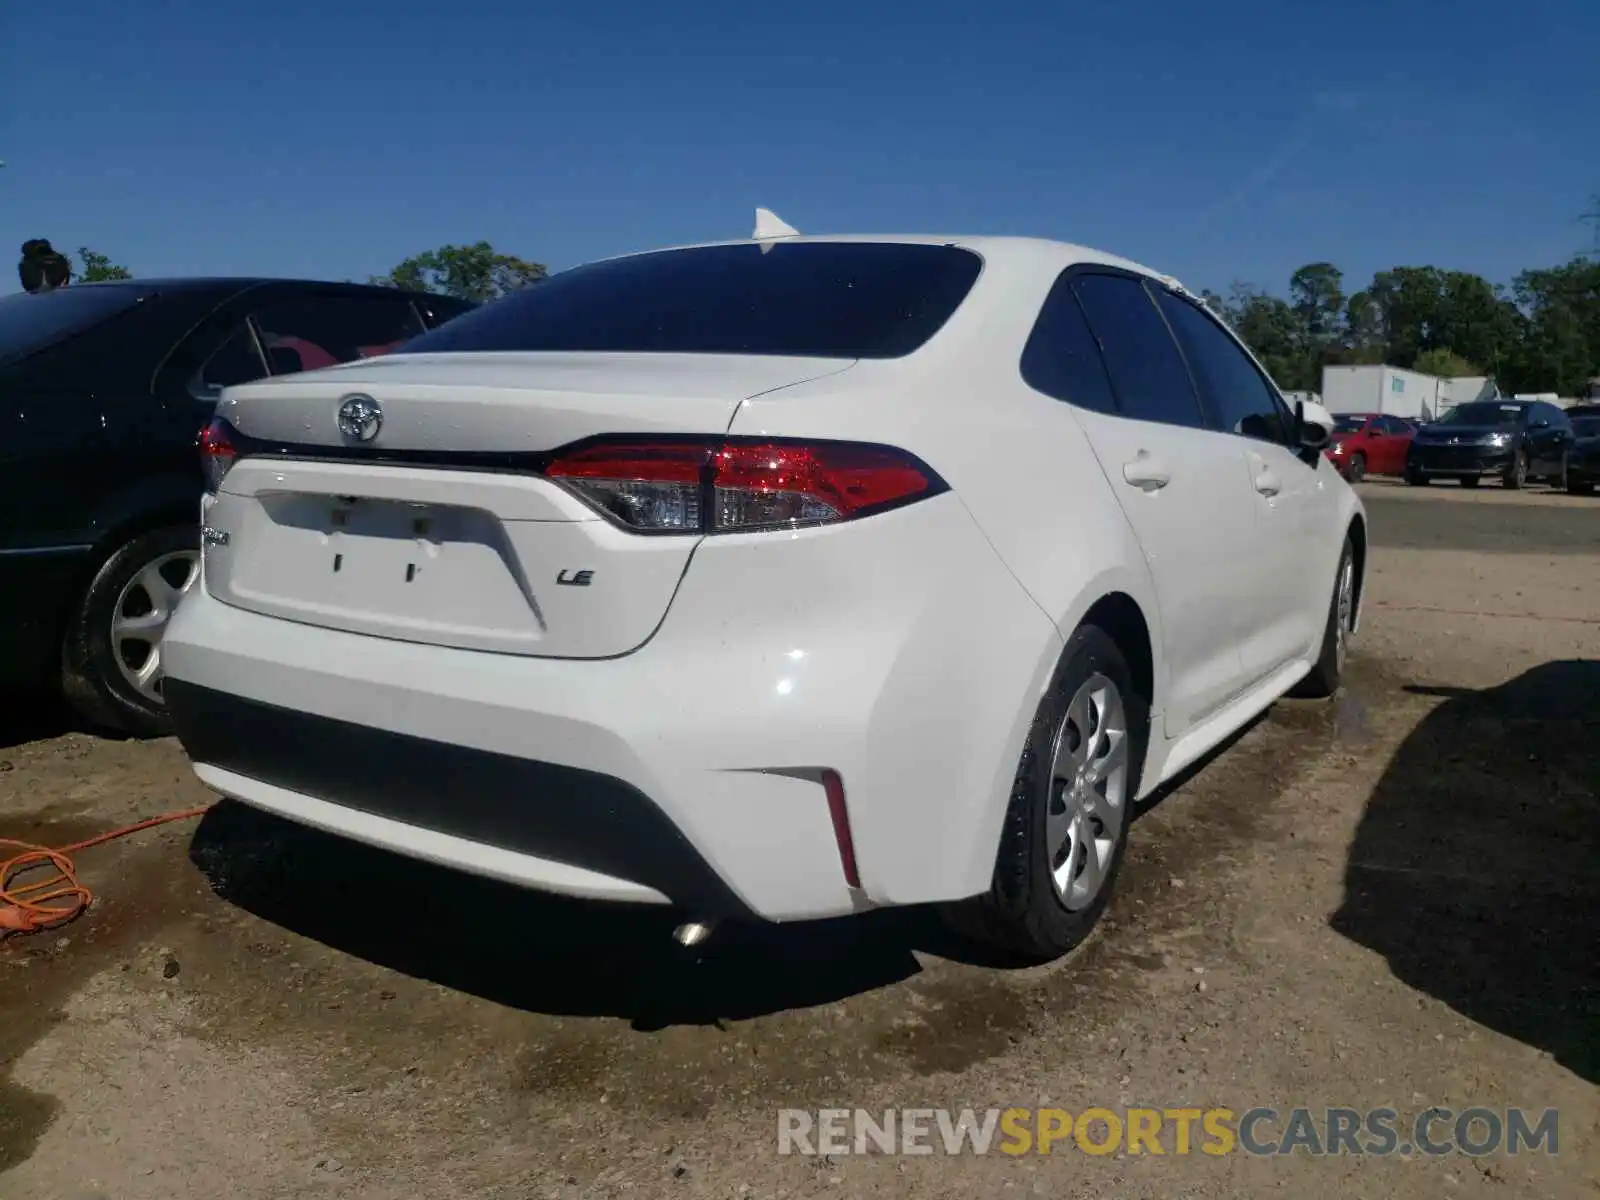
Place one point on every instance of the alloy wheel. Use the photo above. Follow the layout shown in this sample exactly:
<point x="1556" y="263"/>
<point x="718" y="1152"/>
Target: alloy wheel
<point x="1344" y="612"/>
<point x="143" y="610"/>
<point x="1087" y="811"/>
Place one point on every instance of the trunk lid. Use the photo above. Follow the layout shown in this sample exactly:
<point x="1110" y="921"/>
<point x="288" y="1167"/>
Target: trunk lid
<point x="426" y="533"/>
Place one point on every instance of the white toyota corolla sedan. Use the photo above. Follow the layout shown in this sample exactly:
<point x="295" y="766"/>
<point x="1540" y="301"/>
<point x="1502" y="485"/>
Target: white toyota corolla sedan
<point x="776" y="579"/>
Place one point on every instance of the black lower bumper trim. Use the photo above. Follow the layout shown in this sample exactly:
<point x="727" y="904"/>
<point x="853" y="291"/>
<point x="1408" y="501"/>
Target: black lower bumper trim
<point x="564" y="814"/>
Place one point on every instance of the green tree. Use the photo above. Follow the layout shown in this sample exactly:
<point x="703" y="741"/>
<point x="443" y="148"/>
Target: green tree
<point x="1560" y="349"/>
<point x="476" y="272"/>
<point x="1446" y="364"/>
<point x="97" y="267"/>
<point x="1542" y="334"/>
<point x="1316" y="291"/>
<point x="1273" y="330"/>
<point x="1362" y="342"/>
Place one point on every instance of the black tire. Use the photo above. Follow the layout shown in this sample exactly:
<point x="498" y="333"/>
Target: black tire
<point x="1022" y="915"/>
<point x="1580" y="487"/>
<point x="1559" y="479"/>
<point x="1416" y="478"/>
<point x="1516" y="475"/>
<point x="1328" y="672"/>
<point x="1470" y="481"/>
<point x="91" y="679"/>
<point x="1358" y="467"/>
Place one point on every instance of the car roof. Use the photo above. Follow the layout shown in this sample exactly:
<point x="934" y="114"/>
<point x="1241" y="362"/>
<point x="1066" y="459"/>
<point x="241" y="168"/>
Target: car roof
<point x="217" y="283"/>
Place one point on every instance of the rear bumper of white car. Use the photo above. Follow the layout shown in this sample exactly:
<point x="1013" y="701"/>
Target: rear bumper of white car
<point x="896" y="652"/>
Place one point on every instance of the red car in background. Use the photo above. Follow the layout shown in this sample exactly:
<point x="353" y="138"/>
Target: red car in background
<point x="1369" y="443"/>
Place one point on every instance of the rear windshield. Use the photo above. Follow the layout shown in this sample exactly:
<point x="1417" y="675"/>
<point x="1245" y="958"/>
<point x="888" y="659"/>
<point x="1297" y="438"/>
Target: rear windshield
<point x="29" y="324"/>
<point x="814" y="299"/>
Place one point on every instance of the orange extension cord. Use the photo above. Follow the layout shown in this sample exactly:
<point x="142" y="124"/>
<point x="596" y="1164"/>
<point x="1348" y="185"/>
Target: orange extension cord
<point x="57" y="897"/>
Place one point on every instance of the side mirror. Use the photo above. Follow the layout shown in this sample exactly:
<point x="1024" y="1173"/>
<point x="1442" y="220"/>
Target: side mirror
<point x="1310" y="432"/>
<point x="1538" y="423"/>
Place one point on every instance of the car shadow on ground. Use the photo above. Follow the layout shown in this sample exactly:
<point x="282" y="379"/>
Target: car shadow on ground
<point x="1474" y="869"/>
<point x="544" y="953"/>
<point x="27" y="716"/>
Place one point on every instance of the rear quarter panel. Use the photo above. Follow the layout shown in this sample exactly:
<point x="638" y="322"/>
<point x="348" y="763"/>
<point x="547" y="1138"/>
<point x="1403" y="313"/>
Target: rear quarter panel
<point x="1019" y="463"/>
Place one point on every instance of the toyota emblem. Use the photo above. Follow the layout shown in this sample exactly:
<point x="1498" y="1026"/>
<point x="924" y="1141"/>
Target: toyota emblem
<point x="360" y="418"/>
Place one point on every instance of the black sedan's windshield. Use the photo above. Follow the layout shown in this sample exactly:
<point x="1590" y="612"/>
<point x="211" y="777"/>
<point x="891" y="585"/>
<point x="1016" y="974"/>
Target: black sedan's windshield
<point x="1485" y="412"/>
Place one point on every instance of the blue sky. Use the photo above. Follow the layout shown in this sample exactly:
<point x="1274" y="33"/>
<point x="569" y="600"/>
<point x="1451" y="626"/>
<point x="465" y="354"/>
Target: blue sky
<point x="1230" y="140"/>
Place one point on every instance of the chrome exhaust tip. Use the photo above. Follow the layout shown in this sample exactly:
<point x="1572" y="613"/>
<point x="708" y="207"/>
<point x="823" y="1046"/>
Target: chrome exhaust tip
<point x="692" y="933"/>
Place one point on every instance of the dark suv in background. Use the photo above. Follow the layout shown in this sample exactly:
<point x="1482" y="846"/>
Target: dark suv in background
<point x="1583" y="459"/>
<point x="1515" y="440"/>
<point x="103" y="389"/>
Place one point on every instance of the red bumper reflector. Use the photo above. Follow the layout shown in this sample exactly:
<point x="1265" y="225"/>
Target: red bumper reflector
<point x="834" y="787"/>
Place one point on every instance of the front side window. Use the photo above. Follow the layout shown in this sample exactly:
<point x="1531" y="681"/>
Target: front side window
<point x="236" y="361"/>
<point x="321" y="331"/>
<point x="810" y="299"/>
<point x="1240" y="400"/>
<point x="1147" y="372"/>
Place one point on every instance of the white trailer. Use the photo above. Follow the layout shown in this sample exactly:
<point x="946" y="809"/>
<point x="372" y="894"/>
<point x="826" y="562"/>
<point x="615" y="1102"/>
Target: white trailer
<point x="1383" y="389"/>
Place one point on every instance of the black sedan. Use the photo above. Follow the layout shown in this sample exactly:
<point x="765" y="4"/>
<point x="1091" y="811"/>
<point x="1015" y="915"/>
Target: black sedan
<point x="1583" y="459"/>
<point x="1513" y="440"/>
<point x="103" y="388"/>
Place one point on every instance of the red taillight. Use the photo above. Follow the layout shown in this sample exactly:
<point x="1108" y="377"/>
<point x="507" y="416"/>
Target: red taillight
<point x="729" y="485"/>
<point x="217" y="451"/>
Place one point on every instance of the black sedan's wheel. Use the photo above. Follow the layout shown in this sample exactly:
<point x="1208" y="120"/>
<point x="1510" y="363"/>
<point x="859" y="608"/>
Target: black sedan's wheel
<point x="1516" y="475"/>
<point x="1416" y="478"/>
<point x="111" y="667"/>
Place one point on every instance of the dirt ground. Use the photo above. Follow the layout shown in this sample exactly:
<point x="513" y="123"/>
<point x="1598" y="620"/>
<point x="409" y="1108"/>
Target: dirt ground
<point x="1393" y="899"/>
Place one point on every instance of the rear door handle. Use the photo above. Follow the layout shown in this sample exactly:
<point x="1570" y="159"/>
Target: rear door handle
<point x="1146" y="472"/>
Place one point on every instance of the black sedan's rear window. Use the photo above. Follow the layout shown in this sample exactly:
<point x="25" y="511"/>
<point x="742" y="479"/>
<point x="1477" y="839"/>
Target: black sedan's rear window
<point x="812" y="299"/>
<point x="29" y="324"/>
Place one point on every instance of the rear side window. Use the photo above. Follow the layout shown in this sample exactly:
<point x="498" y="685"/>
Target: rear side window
<point x="1240" y="400"/>
<point x="815" y="299"/>
<point x="1061" y="358"/>
<point x="321" y="331"/>
<point x="436" y="310"/>
<point x="29" y="324"/>
<point x="1147" y="373"/>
